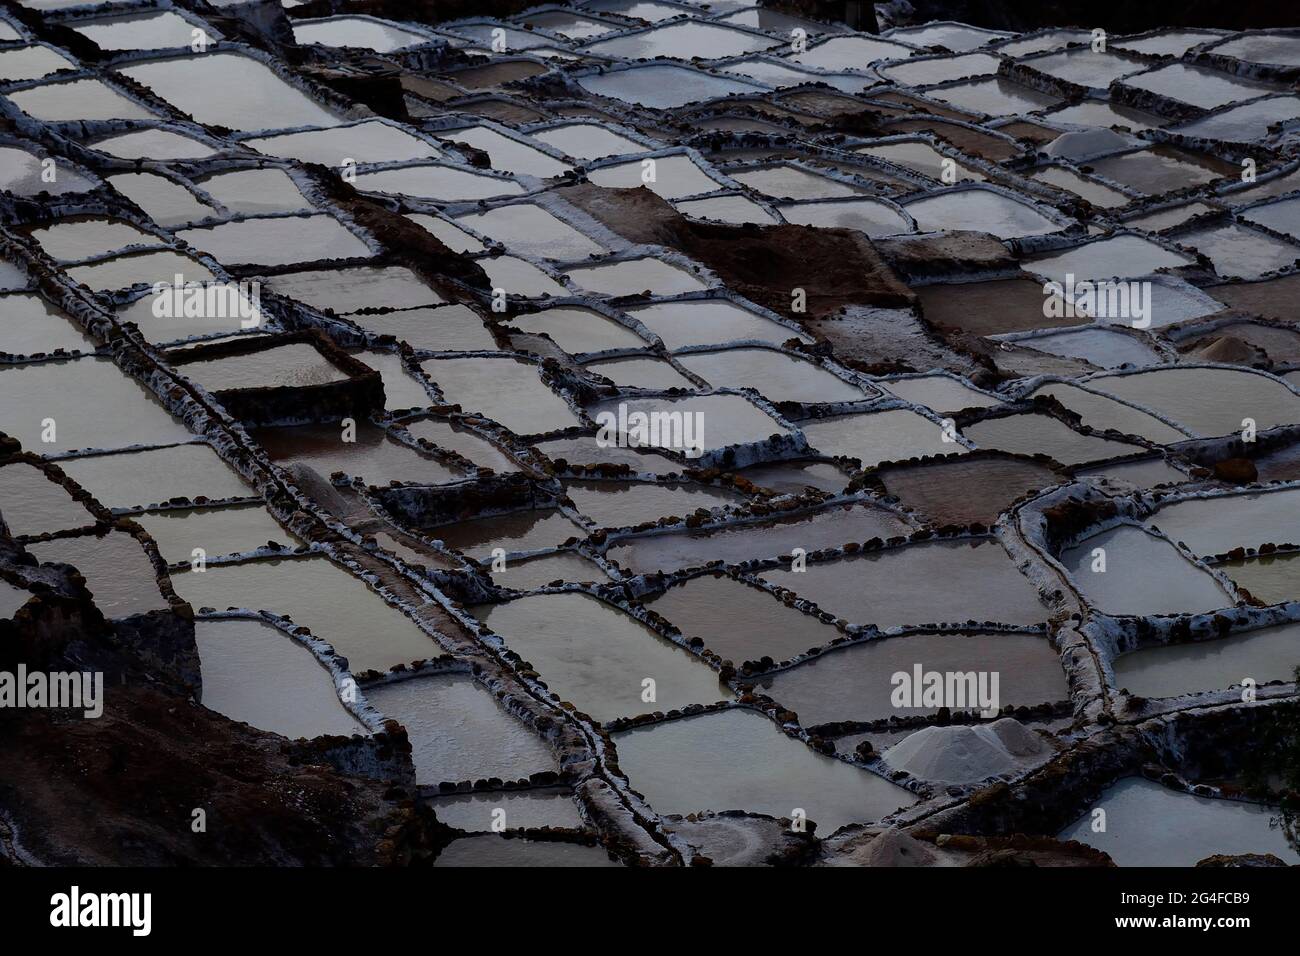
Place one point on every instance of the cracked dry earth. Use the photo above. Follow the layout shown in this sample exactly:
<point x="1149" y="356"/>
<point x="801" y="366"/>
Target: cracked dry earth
<point x="369" y="583"/>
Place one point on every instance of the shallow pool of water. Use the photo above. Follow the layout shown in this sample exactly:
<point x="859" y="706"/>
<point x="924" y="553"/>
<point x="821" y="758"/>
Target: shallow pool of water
<point x="646" y="276"/>
<point x="1031" y="434"/>
<point x="32" y="504"/>
<point x="445" y="183"/>
<point x="661" y="86"/>
<point x="980" y="210"/>
<point x="683" y="41"/>
<point x="458" y="731"/>
<point x="278" y="241"/>
<point x="232" y="529"/>
<point x="966" y="491"/>
<point x="507" y="391"/>
<point x="1150" y="825"/>
<point x="191" y="471"/>
<point x="1240" y="252"/>
<point x="336" y="606"/>
<point x="597" y="657"/>
<point x="1133" y="560"/>
<point x="161" y="30"/>
<point x="930" y="583"/>
<point x="1209" y="401"/>
<point x="675" y="177"/>
<point x="587" y="141"/>
<point x="739" y="622"/>
<point x="257" y="675"/>
<point x="831" y="527"/>
<point x="1102" y="412"/>
<point x="373" y="455"/>
<point x="877" y="437"/>
<point x="866" y="215"/>
<point x="31" y="325"/>
<point x="123" y="412"/>
<point x="507" y="154"/>
<point x="521" y="809"/>
<point x="739" y="760"/>
<point x="371" y="141"/>
<point x="77" y="100"/>
<point x="1217" y="525"/>
<point x="722" y="420"/>
<point x="118" y="573"/>
<point x="529" y="230"/>
<point x="1207" y="89"/>
<point x="518" y="531"/>
<point x="252" y="96"/>
<point x="995" y="97"/>
<point x="367" y="33"/>
<point x="621" y="504"/>
<point x="857" y="682"/>
<point x="777" y="376"/>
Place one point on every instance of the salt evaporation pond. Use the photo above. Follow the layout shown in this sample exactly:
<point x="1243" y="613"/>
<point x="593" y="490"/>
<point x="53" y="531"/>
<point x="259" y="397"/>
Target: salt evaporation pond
<point x="217" y="531"/>
<point x="260" y="676"/>
<point x="1217" y="525"/>
<point x="939" y="393"/>
<point x="1207" y="89"/>
<point x="278" y="241"/>
<point x="929" y="583"/>
<point x="725" y="420"/>
<point x="77" y="100"/>
<point x="504" y="390"/>
<point x="786" y="181"/>
<point x="444" y="183"/>
<point x="1102" y="412"/>
<point x="1031" y="434"/>
<point x="1132" y="559"/>
<point x="739" y="622"/>
<point x="1150" y="825"/>
<point x="253" y="96"/>
<point x="529" y="230"/>
<point x="636" y="277"/>
<point x="1273" y="579"/>
<point x="739" y="760"/>
<point x="587" y="141"/>
<point x="795" y="477"/>
<point x="597" y="657"/>
<point x="162" y="30"/>
<point x="478" y="450"/>
<point x="1209" y="401"/>
<point x="856" y="682"/>
<point x="449" y="328"/>
<point x="876" y="437"/>
<point x="367" y="33"/>
<point x="166" y="202"/>
<point x="1169" y="670"/>
<point x="190" y="470"/>
<point x="517" y="531"/>
<point x="779" y="377"/>
<point x="123" y="412"/>
<point x="30" y="503"/>
<point x="979" y="210"/>
<point x="338" y="608"/>
<point x="458" y="731"/>
<point x="118" y="572"/>
<point x="345" y="291"/>
<point x="31" y="325"/>
<point x="994" y="97"/>
<point x="830" y="527"/>
<point x="641" y="373"/>
<point x="661" y="86"/>
<point x="370" y="141"/>
<point x="1240" y="252"/>
<point x="965" y="491"/>
<point x="683" y="41"/>
<point x="158" y="144"/>
<point x="866" y="215"/>
<point x="675" y="177"/>
<point x="11" y="600"/>
<point x="544" y="570"/>
<point x="578" y="330"/>
<point x="373" y="455"/>
<point x="522" y="809"/>
<point x="623" y="504"/>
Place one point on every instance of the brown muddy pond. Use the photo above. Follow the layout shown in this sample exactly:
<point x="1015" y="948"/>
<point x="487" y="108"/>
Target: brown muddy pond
<point x="856" y="683"/>
<point x="518" y="531"/>
<point x="458" y="731"/>
<point x="739" y="760"/>
<point x="830" y="527"/>
<point x="966" y="491"/>
<point x="599" y="658"/>
<point x="374" y="455"/>
<point x="929" y="583"/>
<point x="739" y="622"/>
<point x="258" y="675"/>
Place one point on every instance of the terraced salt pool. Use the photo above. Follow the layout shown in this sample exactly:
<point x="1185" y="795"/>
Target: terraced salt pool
<point x="739" y="759"/>
<point x="594" y="655"/>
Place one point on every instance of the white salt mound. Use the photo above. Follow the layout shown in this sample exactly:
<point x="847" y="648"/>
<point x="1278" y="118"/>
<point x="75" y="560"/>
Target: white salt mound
<point x="893" y="847"/>
<point x="966" y="754"/>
